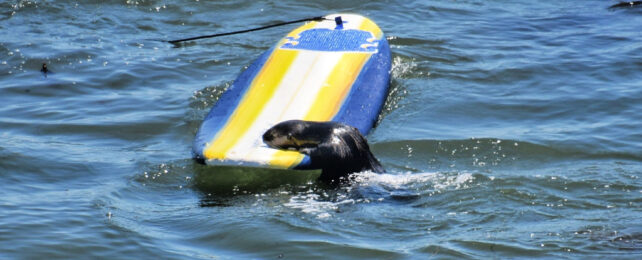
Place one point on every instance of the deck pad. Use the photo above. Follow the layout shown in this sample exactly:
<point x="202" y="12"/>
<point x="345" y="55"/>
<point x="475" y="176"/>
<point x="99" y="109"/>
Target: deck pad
<point x="320" y="71"/>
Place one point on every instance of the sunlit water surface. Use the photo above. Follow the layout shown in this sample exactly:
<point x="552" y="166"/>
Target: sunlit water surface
<point x="512" y="129"/>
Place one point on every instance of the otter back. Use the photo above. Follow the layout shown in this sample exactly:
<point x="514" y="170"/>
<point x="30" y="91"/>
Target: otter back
<point x="332" y="70"/>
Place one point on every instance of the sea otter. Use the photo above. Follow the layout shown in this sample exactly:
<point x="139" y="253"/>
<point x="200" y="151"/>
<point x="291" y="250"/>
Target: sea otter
<point x="337" y="149"/>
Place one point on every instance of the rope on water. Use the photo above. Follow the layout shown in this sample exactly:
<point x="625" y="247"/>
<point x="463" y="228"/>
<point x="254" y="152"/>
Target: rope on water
<point x="316" y="18"/>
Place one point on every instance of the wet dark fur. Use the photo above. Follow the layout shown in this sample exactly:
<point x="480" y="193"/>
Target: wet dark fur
<point x="337" y="149"/>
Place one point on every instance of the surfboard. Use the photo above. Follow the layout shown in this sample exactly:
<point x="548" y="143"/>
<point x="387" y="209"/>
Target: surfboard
<point x="337" y="69"/>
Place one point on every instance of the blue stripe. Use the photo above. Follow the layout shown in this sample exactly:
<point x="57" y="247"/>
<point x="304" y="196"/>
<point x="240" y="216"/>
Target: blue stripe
<point x="369" y="91"/>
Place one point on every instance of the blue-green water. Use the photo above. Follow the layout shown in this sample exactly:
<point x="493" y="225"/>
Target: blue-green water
<point x="513" y="129"/>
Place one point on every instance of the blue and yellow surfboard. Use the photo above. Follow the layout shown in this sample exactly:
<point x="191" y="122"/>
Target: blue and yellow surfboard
<point x="321" y="71"/>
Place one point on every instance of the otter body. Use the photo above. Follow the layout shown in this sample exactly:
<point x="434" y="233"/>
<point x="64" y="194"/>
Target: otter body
<point x="337" y="149"/>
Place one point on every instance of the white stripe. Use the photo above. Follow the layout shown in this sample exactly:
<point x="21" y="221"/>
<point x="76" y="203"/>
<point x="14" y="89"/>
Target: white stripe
<point x="293" y="99"/>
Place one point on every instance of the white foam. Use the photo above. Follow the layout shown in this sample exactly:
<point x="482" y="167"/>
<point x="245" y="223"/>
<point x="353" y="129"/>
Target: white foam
<point x="322" y="206"/>
<point x="440" y="181"/>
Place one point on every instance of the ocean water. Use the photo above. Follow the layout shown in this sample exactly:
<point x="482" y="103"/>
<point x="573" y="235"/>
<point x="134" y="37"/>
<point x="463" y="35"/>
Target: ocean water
<point x="513" y="129"/>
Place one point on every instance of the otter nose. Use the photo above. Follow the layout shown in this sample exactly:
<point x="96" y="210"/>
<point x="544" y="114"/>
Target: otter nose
<point x="268" y="136"/>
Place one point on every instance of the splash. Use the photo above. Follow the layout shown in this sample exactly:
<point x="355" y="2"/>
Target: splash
<point x="205" y="98"/>
<point x="369" y="187"/>
<point x="438" y="181"/>
<point x="403" y="67"/>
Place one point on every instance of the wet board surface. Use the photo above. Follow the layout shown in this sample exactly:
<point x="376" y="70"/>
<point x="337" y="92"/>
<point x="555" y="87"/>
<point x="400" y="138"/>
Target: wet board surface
<point x="319" y="72"/>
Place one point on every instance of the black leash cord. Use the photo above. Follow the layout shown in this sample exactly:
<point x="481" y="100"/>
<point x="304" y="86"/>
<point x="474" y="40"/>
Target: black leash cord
<point x="317" y="18"/>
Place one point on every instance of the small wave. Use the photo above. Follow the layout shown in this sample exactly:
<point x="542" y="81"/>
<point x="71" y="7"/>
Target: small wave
<point x="482" y="153"/>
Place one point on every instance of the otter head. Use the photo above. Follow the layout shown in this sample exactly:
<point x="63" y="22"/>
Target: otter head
<point x="335" y="148"/>
<point x="293" y="135"/>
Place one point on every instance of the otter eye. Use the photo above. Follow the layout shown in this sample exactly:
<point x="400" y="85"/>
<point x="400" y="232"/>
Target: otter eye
<point x="289" y="136"/>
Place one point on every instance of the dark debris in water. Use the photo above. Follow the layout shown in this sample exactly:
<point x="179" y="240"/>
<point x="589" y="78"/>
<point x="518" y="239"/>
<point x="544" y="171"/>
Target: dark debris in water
<point x="626" y="4"/>
<point x="628" y="242"/>
<point x="44" y="70"/>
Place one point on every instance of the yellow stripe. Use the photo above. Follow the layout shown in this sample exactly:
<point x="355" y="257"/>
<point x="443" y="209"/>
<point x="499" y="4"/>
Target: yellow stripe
<point x="286" y="159"/>
<point x="262" y="89"/>
<point x="370" y="26"/>
<point x="337" y="86"/>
